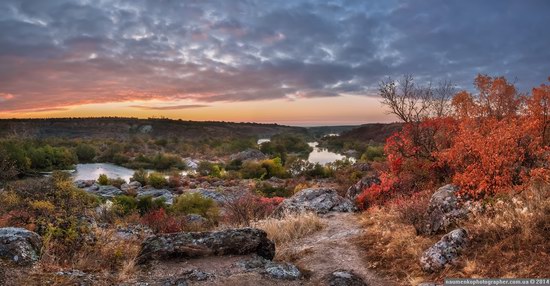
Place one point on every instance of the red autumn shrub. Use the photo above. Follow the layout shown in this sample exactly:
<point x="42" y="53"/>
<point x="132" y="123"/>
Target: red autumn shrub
<point x="496" y="140"/>
<point x="160" y="222"/>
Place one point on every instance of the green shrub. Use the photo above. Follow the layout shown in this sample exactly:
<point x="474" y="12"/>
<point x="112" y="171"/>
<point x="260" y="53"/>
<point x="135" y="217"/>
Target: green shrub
<point x="318" y="171"/>
<point x="195" y="203"/>
<point x="253" y="170"/>
<point x="157" y="180"/>
<point x="165" y="162"/>
<point x="206" y="168"/>
<point x="274" y="168"/>
<point x="125" y="205"/>
<point x="103" y="180"/>
<point x="267" y="190"/>
<point x="140" y="176"/>
<point x="85" y="153"/>
<point x="234" y="165"/>
<point x="373" y="153"/>
<point x="117" y="182"/>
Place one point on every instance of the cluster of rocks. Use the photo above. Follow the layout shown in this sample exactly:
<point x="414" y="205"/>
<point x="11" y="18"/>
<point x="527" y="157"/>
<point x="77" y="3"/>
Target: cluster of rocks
<point x="318" y="200"/>
<point x="270" y="268"/>
<point x="443" y="212"/>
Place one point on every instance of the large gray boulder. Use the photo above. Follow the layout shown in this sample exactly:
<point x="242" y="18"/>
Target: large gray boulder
<point x="445" y="251"/>
<point x="107" y="192"/>
<point x="443" y="210"/>
<point x="249" y="154"/>
<point x="199" y="244"/>
<point x="157" y="194"/>
<point x="320" y="201"/>
<point x="361" y="185"/>
<point x="19" y="245"/>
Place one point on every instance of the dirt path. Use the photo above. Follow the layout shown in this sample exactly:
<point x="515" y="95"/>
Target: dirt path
<point x="334" y="248"/>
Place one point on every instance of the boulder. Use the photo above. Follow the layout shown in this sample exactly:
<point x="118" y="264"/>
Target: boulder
<point x="191" y="164"/>
<point x="198" y="244"/>
<point x="443" y="210"/>
<point x="19" y="245"/>
<point x="445" y="251"/>
<point x="157" y="194"/>
<point x="362" y="184"/>
<point x="82" y="184"/>
<point x="285" y="271"/>
<point x="217" y="196"/>
<point x="344" y="278"/>
<point x="318" y="200"/>
<point x="108" y="192"/>
<point x="249" y="154"/>
<point x="133" y="185"/>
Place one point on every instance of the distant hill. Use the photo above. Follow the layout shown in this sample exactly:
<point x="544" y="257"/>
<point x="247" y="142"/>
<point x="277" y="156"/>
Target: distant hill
<point x="320" y="131"/>
<point x="376" y="132"/>
<point x="116" y="127"/>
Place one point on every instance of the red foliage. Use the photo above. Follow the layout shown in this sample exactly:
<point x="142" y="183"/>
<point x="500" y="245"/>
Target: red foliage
<point x="493" y="143"/>
<point x="160" y="222"/>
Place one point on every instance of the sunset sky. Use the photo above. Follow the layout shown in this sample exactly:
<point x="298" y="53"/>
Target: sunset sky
<point x="290" y="62"/>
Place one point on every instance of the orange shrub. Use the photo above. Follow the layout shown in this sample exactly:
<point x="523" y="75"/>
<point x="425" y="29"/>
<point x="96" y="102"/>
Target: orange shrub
<point x="492" y="143"/>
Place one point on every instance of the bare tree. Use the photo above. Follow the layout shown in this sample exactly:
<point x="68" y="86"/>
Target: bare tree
<point x="442" y="96"/>
<point x="412" y="103"/>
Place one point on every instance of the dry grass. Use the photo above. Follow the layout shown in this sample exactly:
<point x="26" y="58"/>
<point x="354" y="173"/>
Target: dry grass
<point x="509" y="239"/>
<point x="110" y="254"/>
<point x="289" y="228"/>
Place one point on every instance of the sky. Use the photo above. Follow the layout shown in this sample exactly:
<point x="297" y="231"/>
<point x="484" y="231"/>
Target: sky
<point x="290" y="62"/>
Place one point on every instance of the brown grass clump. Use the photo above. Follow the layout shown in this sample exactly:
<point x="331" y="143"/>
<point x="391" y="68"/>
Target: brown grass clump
<point x="292" y="226"/>
<point x="508" y="239"/>
<point x="108" y="254"/>
<point x="392" y="245"/>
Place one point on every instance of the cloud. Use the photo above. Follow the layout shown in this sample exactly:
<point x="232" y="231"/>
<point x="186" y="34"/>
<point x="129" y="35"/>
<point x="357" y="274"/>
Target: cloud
<point x="171" y="107"/>
<point x="68" y="52"/>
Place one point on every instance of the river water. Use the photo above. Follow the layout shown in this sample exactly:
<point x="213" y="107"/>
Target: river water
<point x="93" y="170"/>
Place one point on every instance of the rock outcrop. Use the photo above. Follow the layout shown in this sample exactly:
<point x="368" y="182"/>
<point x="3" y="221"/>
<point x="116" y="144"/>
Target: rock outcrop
<point x="320" y="201"/>
<point x="445" y="251"/>
<point x="443" y="210"/>
<point x="108" y="192"/>
<point x="197" y="244"/>
<point x="84" y="183"/>
<point x="19" y="245"/>
<point x="362" y="184"/>
<point x="130" y="187"/>
<point x="213" y="194"/>
<point x="249" y="154"/>
<point x="344" y="278"/>
<point x="156" y="194"/>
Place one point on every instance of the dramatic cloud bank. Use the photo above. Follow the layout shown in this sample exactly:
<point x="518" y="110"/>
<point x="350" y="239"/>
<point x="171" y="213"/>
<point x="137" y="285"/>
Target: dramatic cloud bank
<point x="60" y="53"/>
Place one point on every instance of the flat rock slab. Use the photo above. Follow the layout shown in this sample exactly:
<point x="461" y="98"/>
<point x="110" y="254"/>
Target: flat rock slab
<point x="199" y="244"/>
